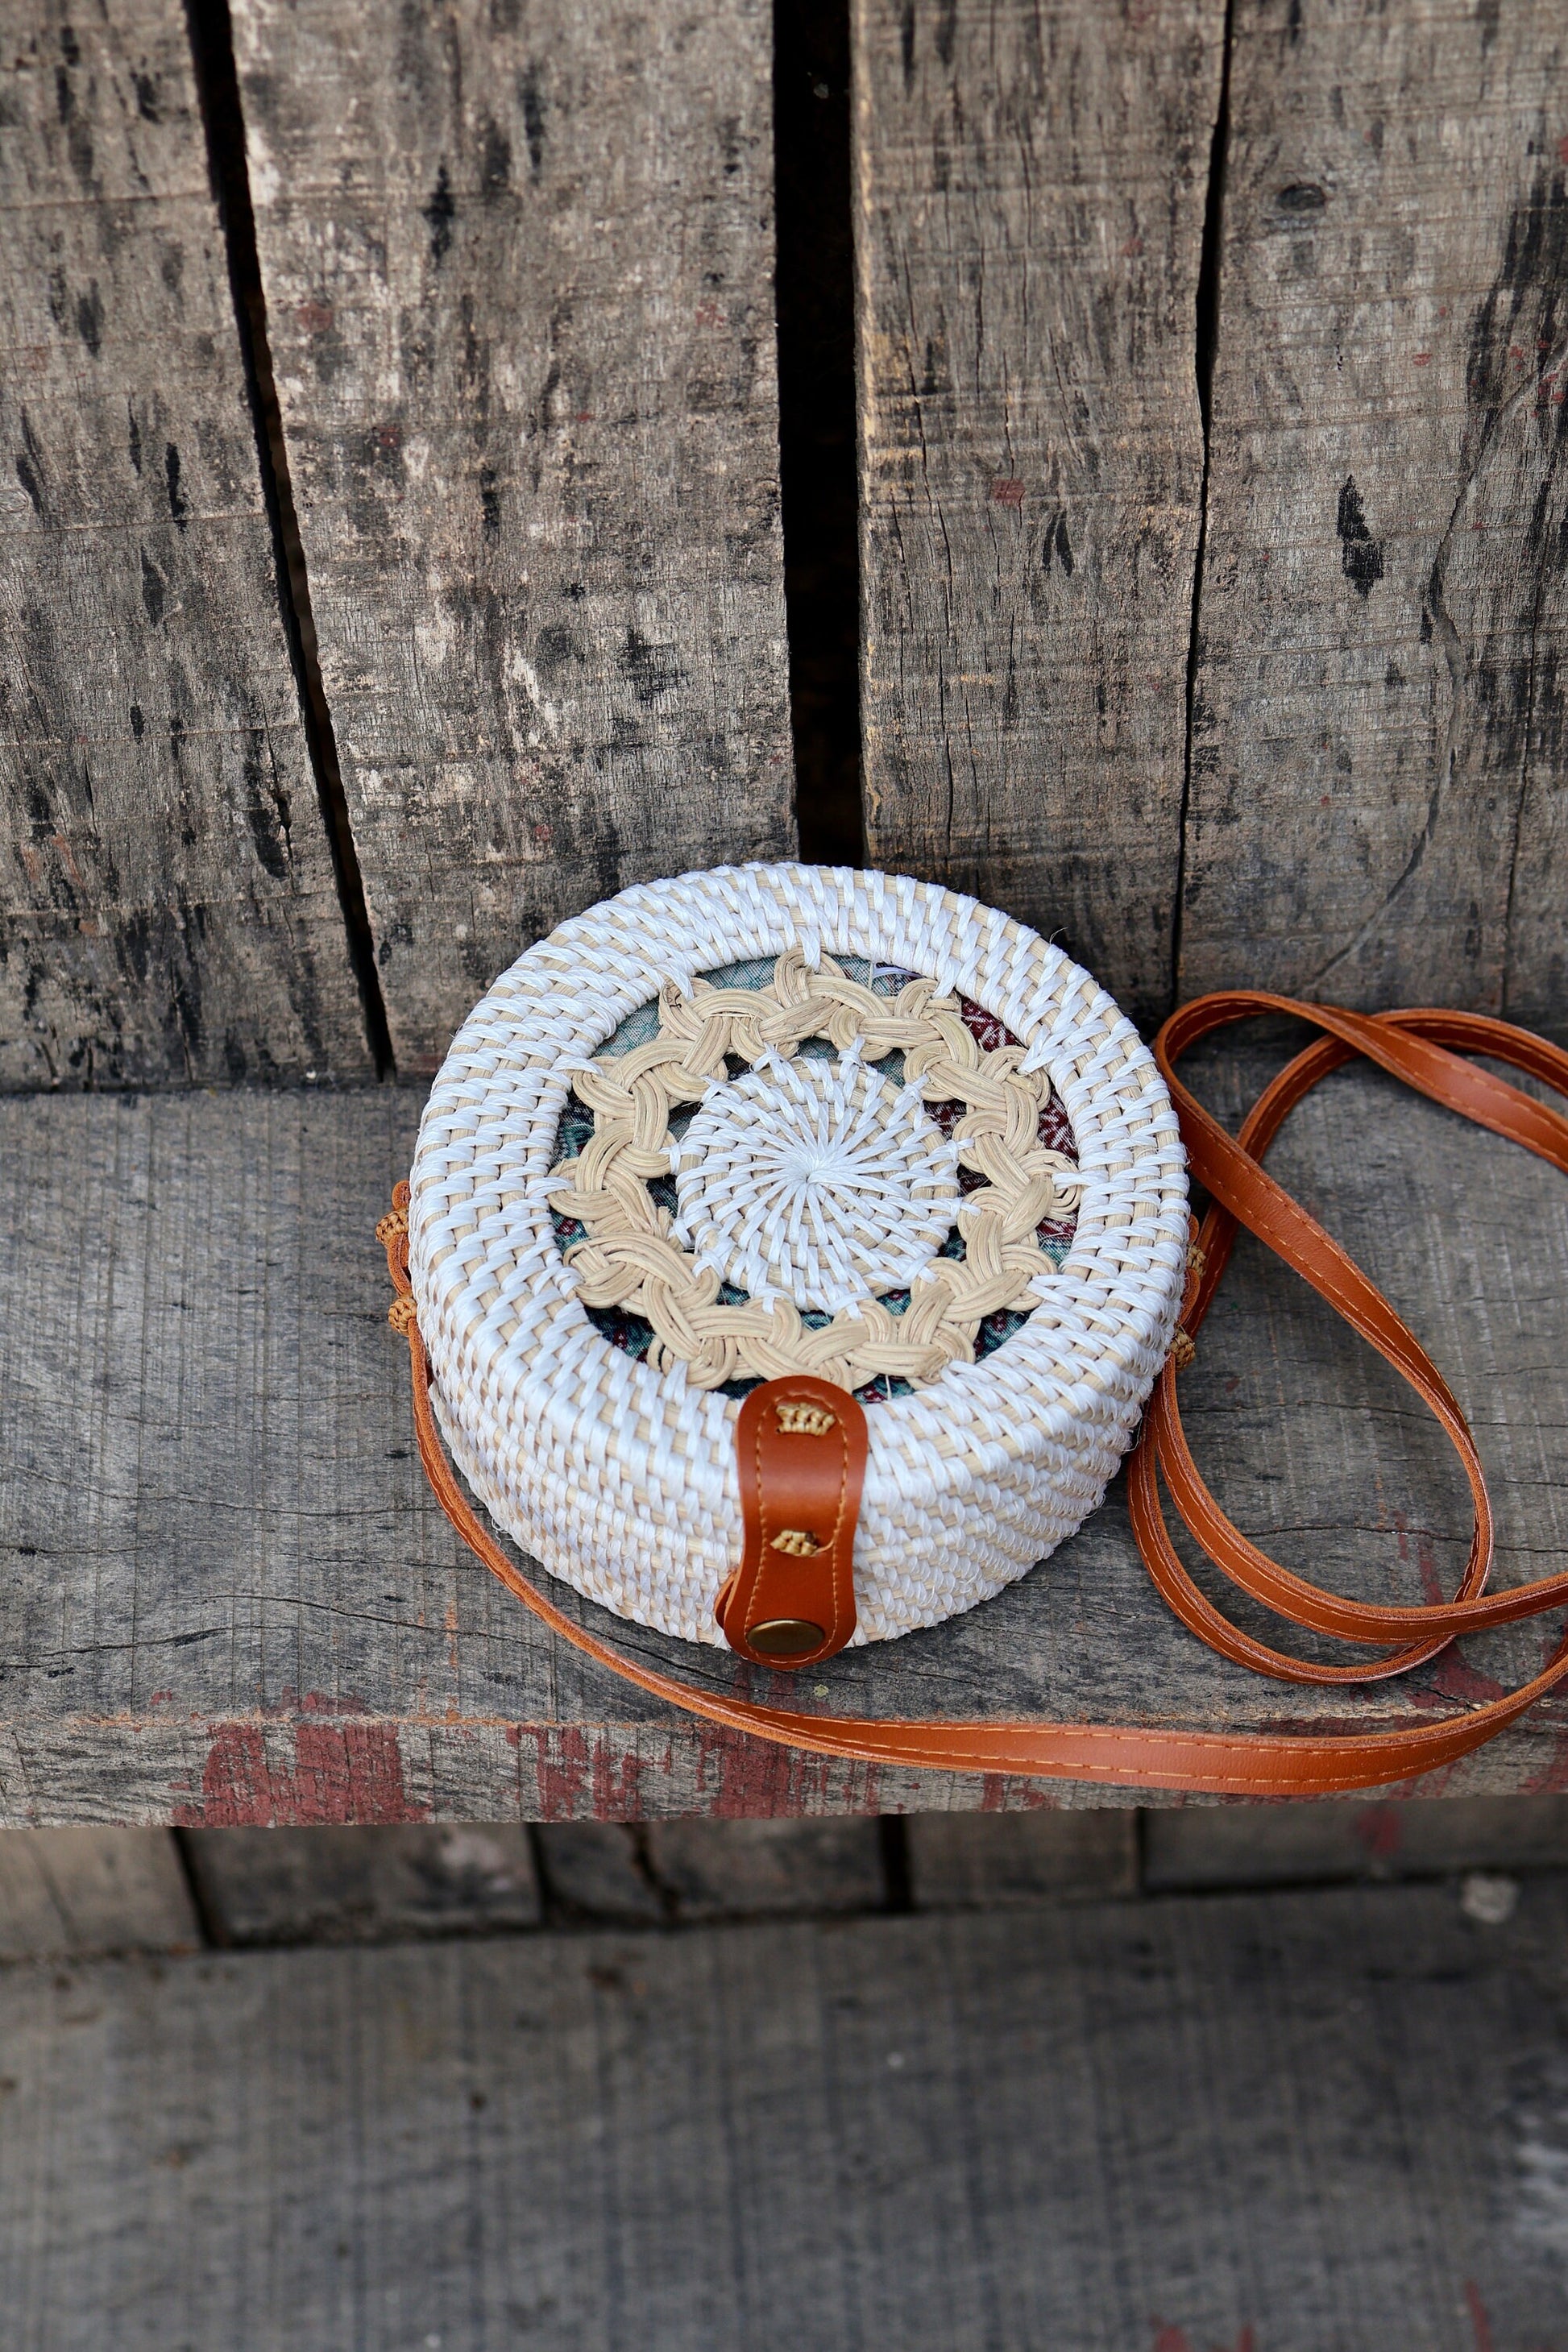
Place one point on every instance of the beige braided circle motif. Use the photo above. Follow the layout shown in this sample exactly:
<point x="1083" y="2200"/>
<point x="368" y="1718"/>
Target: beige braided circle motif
<point x="630" y="1257"/>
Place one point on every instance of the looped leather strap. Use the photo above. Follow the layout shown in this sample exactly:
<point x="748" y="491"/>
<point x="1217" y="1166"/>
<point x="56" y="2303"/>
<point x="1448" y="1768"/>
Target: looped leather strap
<point x="1423" y="1049"/>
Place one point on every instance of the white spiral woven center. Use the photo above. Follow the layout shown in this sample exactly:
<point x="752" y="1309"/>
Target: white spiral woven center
<point x="817" y="1181"/>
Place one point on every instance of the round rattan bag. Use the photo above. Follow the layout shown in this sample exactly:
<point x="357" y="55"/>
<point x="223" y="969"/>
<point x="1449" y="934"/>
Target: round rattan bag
<point x="787" y="1132"/>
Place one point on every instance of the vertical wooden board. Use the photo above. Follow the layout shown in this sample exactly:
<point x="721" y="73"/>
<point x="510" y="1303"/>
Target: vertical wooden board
<point x="363" y="1884"/>
<point x="81" y="1891"/>
<point x="517" y="265"/>
<point x="170" y="910"/>
<point x="983" y="1861"/>
<point x="736" y="1870"/>
<point x="1378" y="730"/>
<point x="1031" y="185"/>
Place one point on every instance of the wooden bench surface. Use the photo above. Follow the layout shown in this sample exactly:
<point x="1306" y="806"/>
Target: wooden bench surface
<point x="228" y="1599"/>
<point x="393" y="566"/>
<point x="1288" y="2121"/>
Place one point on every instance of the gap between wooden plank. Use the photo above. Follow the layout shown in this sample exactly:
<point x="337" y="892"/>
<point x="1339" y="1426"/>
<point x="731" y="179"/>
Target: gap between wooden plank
<point x="217" y="94"/>
<point x="814" y="307"/>
<point x="1207" y="308"/>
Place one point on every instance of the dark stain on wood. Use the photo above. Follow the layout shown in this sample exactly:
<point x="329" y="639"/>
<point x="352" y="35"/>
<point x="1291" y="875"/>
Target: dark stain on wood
<point x="441" y="212"/>
<point x="1363" y="557"/>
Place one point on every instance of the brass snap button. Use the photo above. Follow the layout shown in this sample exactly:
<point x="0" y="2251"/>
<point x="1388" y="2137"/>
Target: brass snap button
<point x="784" y="1637"/>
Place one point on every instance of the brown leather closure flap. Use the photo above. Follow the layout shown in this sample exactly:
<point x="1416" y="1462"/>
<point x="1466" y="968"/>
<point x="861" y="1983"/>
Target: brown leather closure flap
<point x="801" y="1446"/>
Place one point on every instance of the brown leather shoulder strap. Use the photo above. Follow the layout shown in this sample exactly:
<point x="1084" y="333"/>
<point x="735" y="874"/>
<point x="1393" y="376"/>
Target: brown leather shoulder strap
<point x="1425" y="1048"/>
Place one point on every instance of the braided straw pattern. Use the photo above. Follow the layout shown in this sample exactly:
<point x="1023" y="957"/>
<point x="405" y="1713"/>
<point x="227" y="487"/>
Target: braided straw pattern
<point x="633" y="1255"/>
<point x="620" y="1475"/>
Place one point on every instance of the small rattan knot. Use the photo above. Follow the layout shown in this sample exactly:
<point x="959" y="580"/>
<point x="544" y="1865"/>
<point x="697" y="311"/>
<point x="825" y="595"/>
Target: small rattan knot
<point x="403" y="1314"/>
<point x="392" y="1227"/>
<point x="1197" y="1262"/>
<point x="1181" y="1350"/>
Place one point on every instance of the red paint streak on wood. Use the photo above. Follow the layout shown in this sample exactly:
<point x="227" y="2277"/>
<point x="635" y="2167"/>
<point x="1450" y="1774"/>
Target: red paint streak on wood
<point x="756" y="1780"/>
<point x="1480" y="2325"/>
<point x="993" y="1792"/>
<point x="1450" y="1677"/>
<point x="563" y="1767"/>
<point x="1008" y="494"/>
<point x="1029" y="1796"/>
<point x="753" y="1777"/>
<point x="340" y="1773"/>
<point x="616" y="1775"/>
<point x="237" y="1789"/>
<point x="1380" y="1830"/>
<point x="350" y="1772"/>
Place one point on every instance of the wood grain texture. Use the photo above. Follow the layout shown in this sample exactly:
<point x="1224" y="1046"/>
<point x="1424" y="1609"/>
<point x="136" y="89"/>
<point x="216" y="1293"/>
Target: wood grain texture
<point x="1031" y="183"/>
<point x="666" y="1872"/>
<point x="518" y="268"/>
<point x="986" y="1862"/>
<point x="225" y="1597"/>
<point x="1312" y="2124"/>
<point x="1377" y="805"/>
<point x="168" y="909"/>
<point x="740" y="1870"/>
<point x="81" y="1892"/>
<point x="381" y="1884"/>
<point x="1265" y="1845"/>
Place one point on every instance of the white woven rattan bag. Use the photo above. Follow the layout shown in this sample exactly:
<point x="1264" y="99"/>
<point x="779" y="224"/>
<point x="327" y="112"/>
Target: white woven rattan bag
<point x="780" y="1120"/>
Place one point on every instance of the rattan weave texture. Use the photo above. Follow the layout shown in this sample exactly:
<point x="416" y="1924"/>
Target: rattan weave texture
<point x="618" y="1475"/>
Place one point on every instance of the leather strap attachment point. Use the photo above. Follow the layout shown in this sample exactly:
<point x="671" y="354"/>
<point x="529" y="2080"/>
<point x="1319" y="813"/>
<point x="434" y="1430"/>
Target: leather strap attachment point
<point x="800" y="1444"/>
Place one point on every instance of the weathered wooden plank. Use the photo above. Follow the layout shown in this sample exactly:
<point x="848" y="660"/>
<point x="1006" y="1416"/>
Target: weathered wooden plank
<point x="1377" y="809"/>
<point x="668" y="1871"/>
<point x="79" y="1891"/>
<point x="982" y="1861"/>
<point x="363" y="1886"/>
<point x="1264" y="1845"/>
<point x="1031" y="184"/>
<point x="228" y="1601"/>
<point x="598" y="1871"/>
<point x="170" y="910"/>
<point x="518" y="267"/>
<point x="980" y="2134"/>
<point x="728" y="1870"/>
